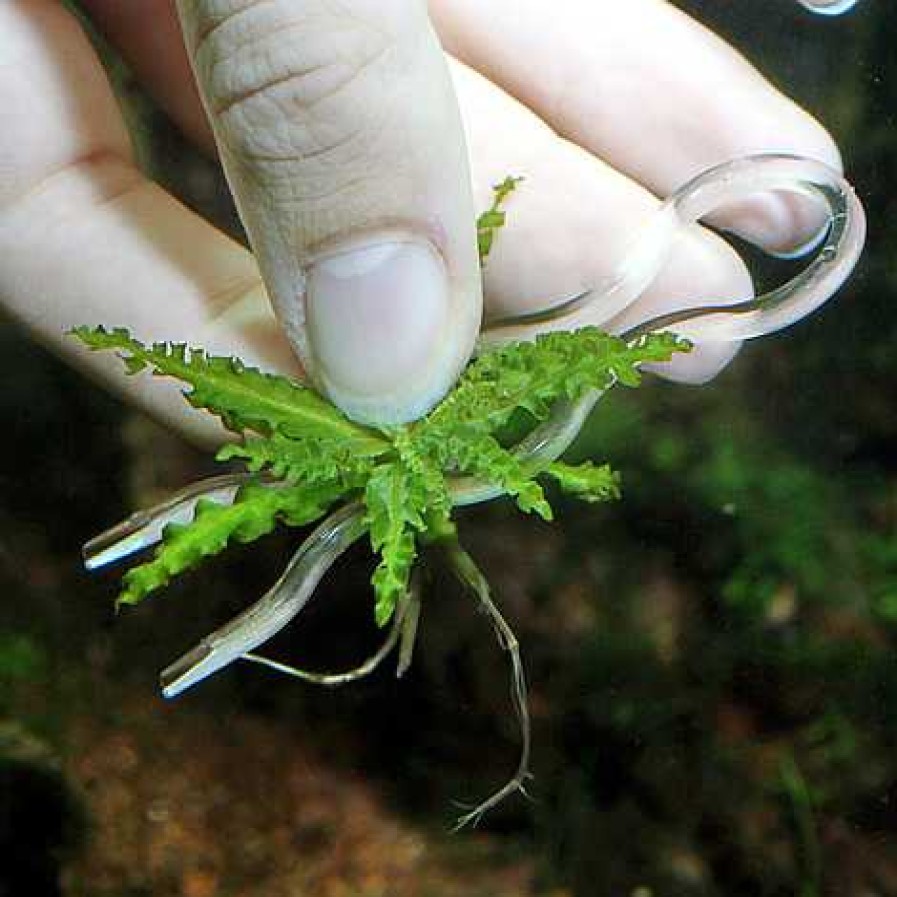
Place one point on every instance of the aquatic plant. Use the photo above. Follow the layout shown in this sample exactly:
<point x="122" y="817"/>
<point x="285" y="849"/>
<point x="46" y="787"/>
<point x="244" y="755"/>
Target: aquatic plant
<point x="305" y="460"/>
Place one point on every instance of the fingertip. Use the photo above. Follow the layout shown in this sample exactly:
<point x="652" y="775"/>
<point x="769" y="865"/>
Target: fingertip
<point x="379" y="328"/>
<point x="705" y="361"/>
<point x="703" y="269"/>
<point x="787" y="224"/>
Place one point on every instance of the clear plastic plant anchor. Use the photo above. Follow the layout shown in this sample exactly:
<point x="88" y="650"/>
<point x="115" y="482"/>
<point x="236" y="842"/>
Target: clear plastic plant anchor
<point x="143" y="529"/>
<point x="838" y="252"/>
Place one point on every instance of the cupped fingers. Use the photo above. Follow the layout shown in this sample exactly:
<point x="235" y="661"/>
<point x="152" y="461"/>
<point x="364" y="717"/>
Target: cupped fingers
<point x="85" y="238"/>
<point x="572" y="225"/>
<point x="647" y="89"/>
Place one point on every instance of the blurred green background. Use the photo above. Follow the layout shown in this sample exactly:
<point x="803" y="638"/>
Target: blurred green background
<point x="712" y="660"/>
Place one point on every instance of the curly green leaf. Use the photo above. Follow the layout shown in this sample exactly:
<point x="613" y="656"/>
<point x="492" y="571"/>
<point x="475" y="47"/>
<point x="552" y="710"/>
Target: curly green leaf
<point x="493" y="219"/>
<point x="586" y="481"/>
<point x="254" y="513"/>
<point x="243" y="397"/>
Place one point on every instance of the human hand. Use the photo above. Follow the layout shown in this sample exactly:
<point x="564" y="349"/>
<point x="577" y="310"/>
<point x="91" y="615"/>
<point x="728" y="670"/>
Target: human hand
<point x="602" y="106"/>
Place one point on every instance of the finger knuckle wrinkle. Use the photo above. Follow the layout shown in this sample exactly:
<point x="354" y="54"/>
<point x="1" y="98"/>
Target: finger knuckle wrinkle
<point x="286" y="71"/>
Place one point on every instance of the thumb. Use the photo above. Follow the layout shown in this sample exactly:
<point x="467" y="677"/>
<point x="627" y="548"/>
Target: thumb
<point x="341" y="139"/>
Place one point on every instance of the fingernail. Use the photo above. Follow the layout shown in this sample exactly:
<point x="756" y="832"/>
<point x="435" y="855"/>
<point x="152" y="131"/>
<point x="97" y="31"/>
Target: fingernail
<point x="784" y="225"/>
<point x="377" y="314"/>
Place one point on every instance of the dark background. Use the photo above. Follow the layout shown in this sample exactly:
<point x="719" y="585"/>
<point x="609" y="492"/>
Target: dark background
<point x="712" y="660"/>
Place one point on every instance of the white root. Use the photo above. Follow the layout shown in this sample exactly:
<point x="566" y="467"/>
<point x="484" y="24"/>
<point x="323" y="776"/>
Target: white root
<point x="465" y="568"/>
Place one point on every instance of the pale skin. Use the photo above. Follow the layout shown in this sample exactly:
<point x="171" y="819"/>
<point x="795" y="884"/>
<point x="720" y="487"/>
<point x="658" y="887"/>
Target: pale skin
<point x="605" y="108"/>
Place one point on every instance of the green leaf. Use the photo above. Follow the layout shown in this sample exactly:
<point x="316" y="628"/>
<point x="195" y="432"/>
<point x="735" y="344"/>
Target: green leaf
<point x="396" y="501"/>
<point x="254" y="513"/>
<point x="481" y="455"/>
<point x="586" y="481"/>
<point x="493" y="219"/>
<point x="308" y="461"/>
<point x="243" y="397"/>
<point x="503" y="190"/>
<point x="532" y="376"/>
<point x="425" y="473"/>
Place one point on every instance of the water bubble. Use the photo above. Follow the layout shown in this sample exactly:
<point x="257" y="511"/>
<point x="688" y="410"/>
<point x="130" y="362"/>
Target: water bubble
<point x="829" y="7"/>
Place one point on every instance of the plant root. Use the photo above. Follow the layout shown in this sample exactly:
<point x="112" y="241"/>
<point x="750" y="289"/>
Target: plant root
<point x="409" y="608"/>
<point x="465" y="568"/>
<point x="408" y="624"/>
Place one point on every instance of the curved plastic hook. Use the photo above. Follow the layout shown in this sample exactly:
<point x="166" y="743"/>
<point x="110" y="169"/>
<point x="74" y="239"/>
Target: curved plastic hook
<point x="275" y="609"/>
<point x="711" y="190"/>
<point x="836" y="258"/>
<point x="144" y="528"/>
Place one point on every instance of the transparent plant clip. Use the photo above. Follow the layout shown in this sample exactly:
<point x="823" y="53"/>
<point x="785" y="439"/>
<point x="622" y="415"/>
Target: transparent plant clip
<point x="732" y="182"/>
